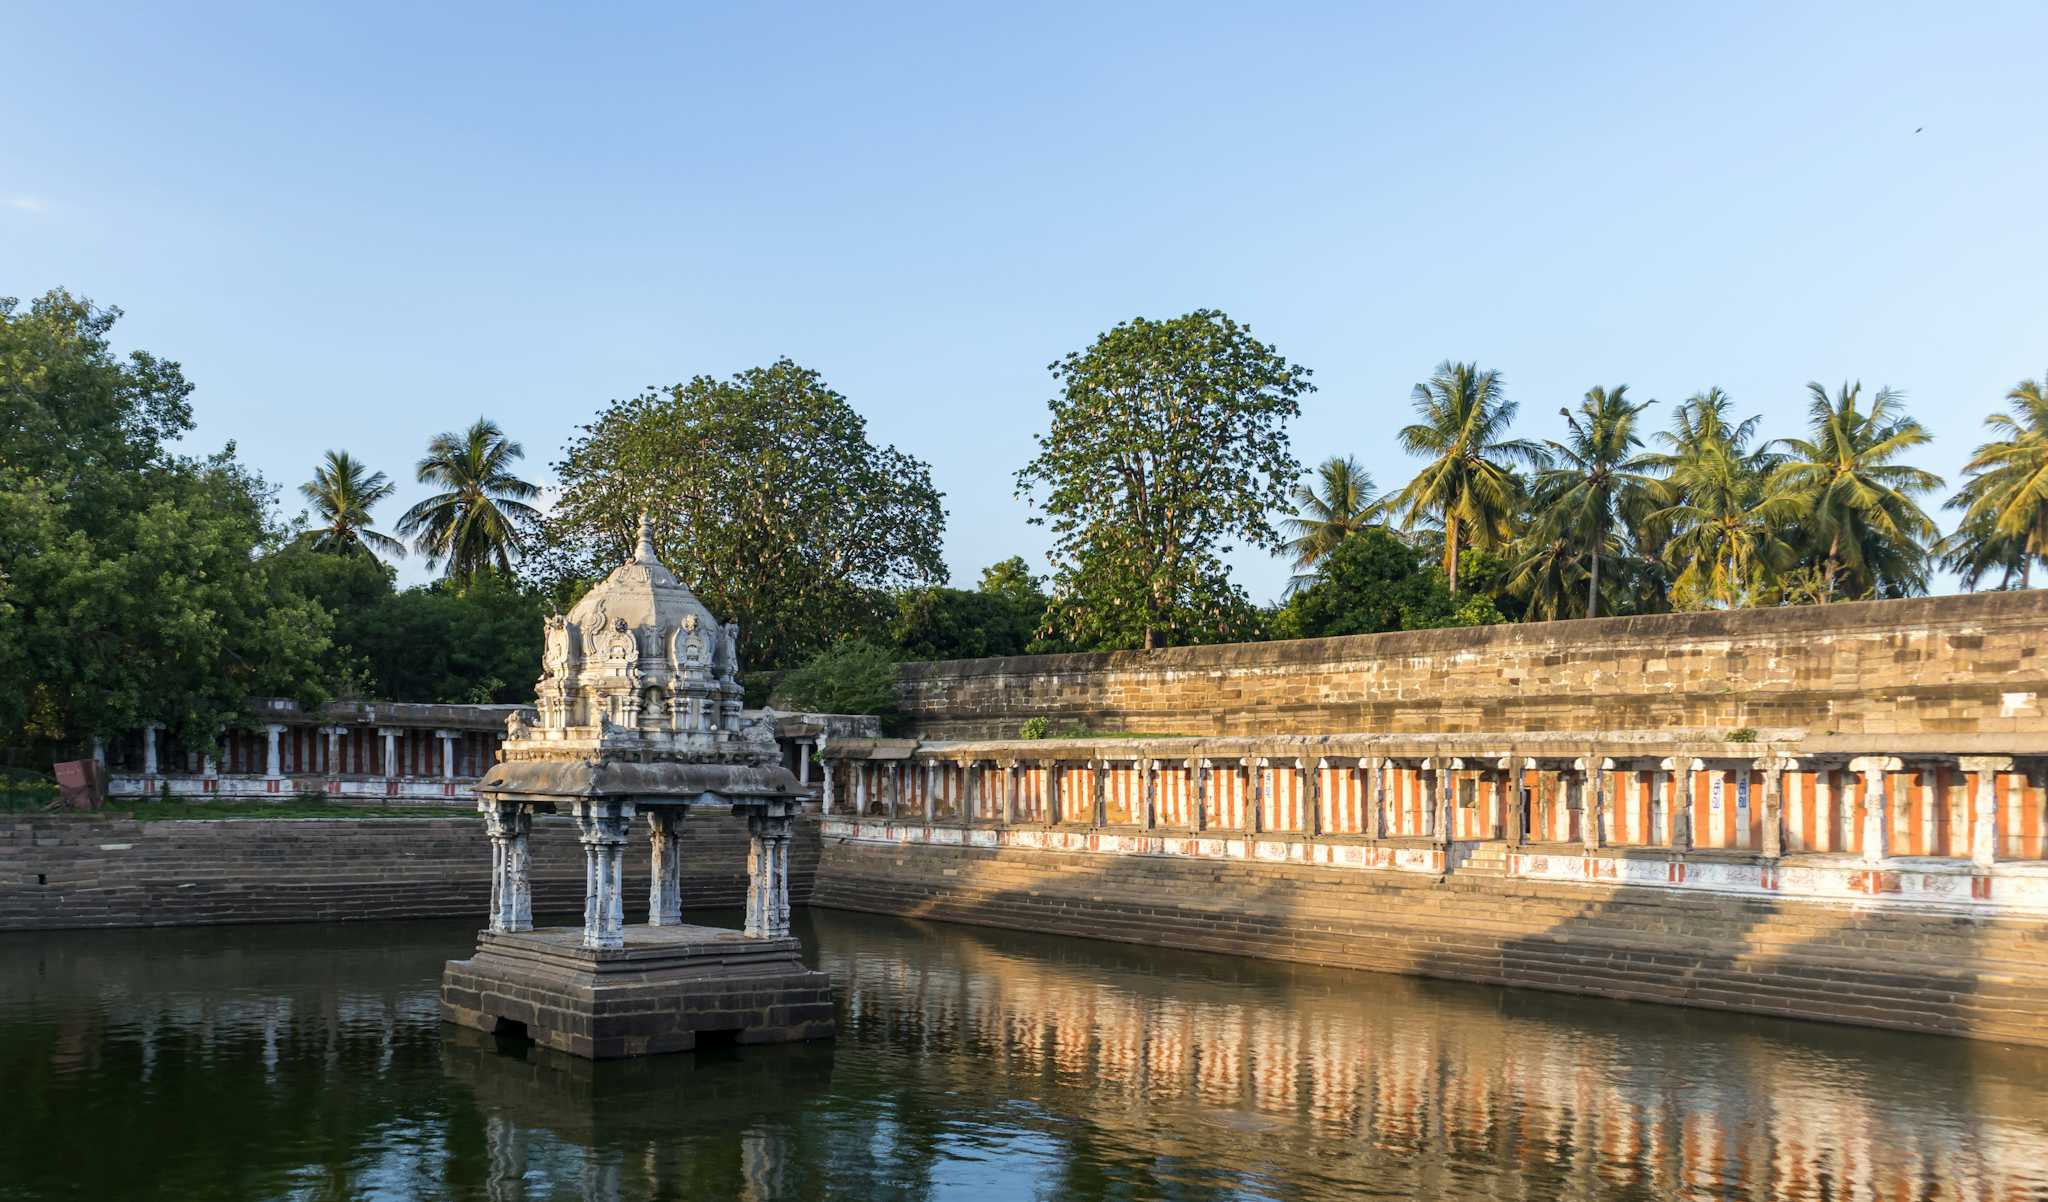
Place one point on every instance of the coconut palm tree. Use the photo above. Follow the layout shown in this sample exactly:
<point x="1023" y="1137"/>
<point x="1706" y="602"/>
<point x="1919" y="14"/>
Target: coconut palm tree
<point x="1469" y="484"/>
<point x="481" y="517"/>
<point x="2005" y="499"/>
<point x="1865" y="532"/>
<point x="1598" y="473"/>
<point x="343" y="492"/>
<point x="1342" y="503"/>
<point x="1712" y="517"/>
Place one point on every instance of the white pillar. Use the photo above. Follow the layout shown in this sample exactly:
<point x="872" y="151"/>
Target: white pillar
<point x="508" y="825"/>
<point x="803" y="761"/>
<point x="99" y="751"/>
<point x="333" y="734"/>
<point x="605" y="826"/>
<point x="665" y="887"/>
<point x="1876" y="806"/>
<point x="390" y="751"/>
<point x="272" y="762"/>
<point x="1983" y="773"/>
<point x="149" y="730"/>
<point x="767" y="876"/>
<point x="447" y="738"/>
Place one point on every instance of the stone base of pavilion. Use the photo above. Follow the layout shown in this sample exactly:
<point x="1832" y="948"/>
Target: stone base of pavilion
<point x="666" y="990"/>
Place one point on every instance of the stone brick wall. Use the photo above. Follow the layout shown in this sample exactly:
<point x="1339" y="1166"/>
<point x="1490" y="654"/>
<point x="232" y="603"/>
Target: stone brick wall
<point x="1968" y="663"/>
<point x="1943" y="972"/>
<point x="66" y="872"/>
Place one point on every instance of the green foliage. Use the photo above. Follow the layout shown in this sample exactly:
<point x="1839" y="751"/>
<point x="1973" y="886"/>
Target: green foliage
<point x="1597" y="476"/>
<point x="1468" y="488"/>
<point x="853" y="677"/>
<point x="134" y="584"/>
<point x="1000" y="618"/>
<point x="2004" y="527"/>
<point x="1858" y="519"/>
<point x="1343" y="503"/>
<point x="474" y="642"/>
<point x="767" y="497"/>
<point x="342" y="493"/>
<point x="1035" y="728"/>
<point x="1373" y="582"/>
<point x="1168" y="443"/>
<point x="1741" y="734"/>
<point x="481" y="518"/>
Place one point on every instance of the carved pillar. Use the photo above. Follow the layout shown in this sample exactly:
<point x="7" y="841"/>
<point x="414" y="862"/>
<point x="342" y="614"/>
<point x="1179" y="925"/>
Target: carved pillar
<point x="1098" y="792"/>
<point x="1375" y="796"/>
<point x="665" y="886"/>
<point x="767" y="876"/>
<point x="1006" y="788"/>
<point x="1197" y="768"/>
<point x="1876" y="805"/>
<point x="970" y="791"/>
<point x="605" y="827"/>
<point x="273" y="762"/>
<point x="149" y="730"/>
<point x="1678" y="810"/>
<point x="1514" y="808"/>
<point x="1774" y="769"/>
<point x="892" y="789"/>
<point x="1446" y="806"/>
<point x="803" y="761"/>
<point x="508" y="824"/>
<point x="390" y="751"/>
<point x="932" y="776"/>
<point x="1052" y="792"/>
<point x="447" y="738"/>
<point x="1983" y="773"/>
<point x="860" y="789"/>
<point x="825" y="799"/>
<point x="1593" y="795"/>
<point x="1147" y="784"/>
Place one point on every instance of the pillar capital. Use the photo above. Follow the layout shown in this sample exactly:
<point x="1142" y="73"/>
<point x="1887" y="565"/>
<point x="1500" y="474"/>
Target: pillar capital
<point x="1984" y="763"/>
<point x="1868" y="764"/>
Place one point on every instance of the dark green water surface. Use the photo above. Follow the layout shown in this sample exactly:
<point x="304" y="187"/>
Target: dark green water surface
<point x="308" y="1062"/>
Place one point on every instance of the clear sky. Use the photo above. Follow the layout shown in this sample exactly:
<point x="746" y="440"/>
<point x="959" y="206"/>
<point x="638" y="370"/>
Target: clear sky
<point x="359" y="226"/>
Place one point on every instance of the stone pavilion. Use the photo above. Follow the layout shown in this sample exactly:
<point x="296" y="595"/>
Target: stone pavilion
<point x="638" y="716"/>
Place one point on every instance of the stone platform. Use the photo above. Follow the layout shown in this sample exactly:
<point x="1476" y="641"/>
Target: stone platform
<point x="665" y="989"/>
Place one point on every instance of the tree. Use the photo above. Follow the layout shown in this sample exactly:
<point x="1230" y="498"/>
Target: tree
<point x="343" y="492"/>
<point x="135" y="585"/>
<point x="2005" y="499"/>
<point x="1580" y="503"/>
<point x="768" y="499"/>
<point x="1722" y="528"/>
<point x="1167" y="445"/>
<point x="1322" y="517"/>
<point x="853" y="677"/>
<point x="481" y="518"/>
<point x="1372" y="582"/>
<point x="1469" y="485"/>
<point x="1865" y="533"/>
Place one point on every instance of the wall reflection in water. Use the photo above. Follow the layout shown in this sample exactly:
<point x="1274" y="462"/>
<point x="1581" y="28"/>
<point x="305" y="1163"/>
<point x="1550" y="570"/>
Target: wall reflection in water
<point x="308" y="1062"/>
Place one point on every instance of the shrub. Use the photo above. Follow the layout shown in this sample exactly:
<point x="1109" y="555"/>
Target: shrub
<point x="1035" y="728"/>
<point x="854" y="677"/>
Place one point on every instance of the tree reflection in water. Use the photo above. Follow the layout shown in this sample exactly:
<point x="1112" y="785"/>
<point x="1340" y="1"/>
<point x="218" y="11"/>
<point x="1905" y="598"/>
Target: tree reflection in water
<point x="308" y="1062"/>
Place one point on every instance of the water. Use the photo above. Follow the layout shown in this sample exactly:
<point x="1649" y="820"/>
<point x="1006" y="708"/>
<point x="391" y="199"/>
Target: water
<point x="308" y="1062"/>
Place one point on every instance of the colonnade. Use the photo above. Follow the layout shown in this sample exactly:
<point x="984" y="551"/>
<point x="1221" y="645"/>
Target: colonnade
<point x="1640" y="796"/>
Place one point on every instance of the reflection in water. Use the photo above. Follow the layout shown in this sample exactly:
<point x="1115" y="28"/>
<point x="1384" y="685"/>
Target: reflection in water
<point x="309" y="1062"/>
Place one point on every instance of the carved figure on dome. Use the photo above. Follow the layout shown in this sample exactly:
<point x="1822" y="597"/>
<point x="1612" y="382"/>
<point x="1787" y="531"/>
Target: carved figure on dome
<point x="517" y="726"/>
<point x="729" y="653"/>
<point x="595" y="625"/>
<point x="555" y="647"/>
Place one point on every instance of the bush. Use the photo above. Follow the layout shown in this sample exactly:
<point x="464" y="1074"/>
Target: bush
<point x="855" y="677"/>
<point x="1035" y="728"/>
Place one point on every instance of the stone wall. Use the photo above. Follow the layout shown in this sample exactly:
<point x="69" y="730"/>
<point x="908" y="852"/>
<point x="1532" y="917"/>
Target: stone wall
<point x="1968" y="663"/>
<point x="1946" y="972"/>
<point x="75" y="872"/>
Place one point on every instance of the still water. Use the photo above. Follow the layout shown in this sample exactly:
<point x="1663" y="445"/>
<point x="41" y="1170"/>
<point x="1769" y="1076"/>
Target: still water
<point x="308" y="1062"/>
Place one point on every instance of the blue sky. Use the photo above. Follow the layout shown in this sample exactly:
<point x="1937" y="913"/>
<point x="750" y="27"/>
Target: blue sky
<point x="361" y="225"/>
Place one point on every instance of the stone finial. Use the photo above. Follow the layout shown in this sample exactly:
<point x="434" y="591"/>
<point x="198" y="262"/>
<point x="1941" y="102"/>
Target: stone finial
<point x="644" y="552"/>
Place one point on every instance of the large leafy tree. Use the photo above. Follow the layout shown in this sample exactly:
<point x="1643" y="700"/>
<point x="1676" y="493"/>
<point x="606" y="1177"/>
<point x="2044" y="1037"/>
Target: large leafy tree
<point x="1167" y="448"/>
<point x="1721" y="527"/>
<point x="1340" y="503"/>
<point x="135" y="585"/>
<point x="1469" y="487"/>
<point x="481" y="517"/>
<point x="768" y="498"/>
<point x="2005" y="500"/>
<point x="1376" y="581"/>
<point x="1866" y="535"/>
<point x="1581" y="502"/>
<point x="343" y="492"/>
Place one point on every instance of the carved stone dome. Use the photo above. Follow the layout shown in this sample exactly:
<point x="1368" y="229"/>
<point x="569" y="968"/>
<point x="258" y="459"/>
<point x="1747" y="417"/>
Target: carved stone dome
<point x="642" y="653"/>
